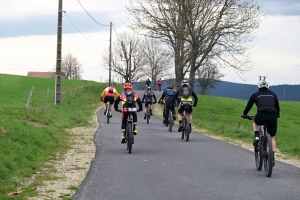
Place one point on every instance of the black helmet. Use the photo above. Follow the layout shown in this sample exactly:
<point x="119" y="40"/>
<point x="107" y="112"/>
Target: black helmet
<point x="169" y="87"/>
<point x="184" y="82"/>
<point x="149" y="88"/>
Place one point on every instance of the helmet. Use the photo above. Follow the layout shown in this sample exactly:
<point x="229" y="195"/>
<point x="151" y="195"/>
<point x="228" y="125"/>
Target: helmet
<point x="127" y="86"/>
<point x="184" y="82"/>
<point x="263" y="84"/>
<point x="169" y="87"/>
<point x="148" y="88"/>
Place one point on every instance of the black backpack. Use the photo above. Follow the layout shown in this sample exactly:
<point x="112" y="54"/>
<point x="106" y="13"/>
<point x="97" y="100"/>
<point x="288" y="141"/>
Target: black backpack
<point x="185" y="92"/>
<point x="130" y="98"/>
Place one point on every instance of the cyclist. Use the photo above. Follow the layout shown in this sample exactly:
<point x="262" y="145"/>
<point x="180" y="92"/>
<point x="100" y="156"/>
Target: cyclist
<point x="168" y="95"/>
<point x="159" y="83"/>
<point x="129" y="100"/>
<point x="268" y="111"/>
<point x="108" y="95"/>
<point x="184" y="95"/>
<point x="148" y="83"/>
<point x="147" y="99"/>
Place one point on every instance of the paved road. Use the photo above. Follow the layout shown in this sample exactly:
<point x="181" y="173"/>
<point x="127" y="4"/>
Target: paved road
<point x="163" y="166"/>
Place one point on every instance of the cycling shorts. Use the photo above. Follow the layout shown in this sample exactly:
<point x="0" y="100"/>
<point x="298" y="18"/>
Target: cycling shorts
<point x="108" y="99"/>
<point x="188" y="107"/>
<point x="269" y="118"/>
<point x="148" y="103"/>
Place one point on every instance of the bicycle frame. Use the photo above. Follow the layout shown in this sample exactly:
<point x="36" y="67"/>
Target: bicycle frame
<point x="186" y="125"/>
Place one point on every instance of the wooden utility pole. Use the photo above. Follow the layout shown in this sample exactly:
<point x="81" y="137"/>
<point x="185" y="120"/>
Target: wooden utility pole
<point x="109" y="80"/>
<point x="58" y="55"/>
<point x="129" y="78"/>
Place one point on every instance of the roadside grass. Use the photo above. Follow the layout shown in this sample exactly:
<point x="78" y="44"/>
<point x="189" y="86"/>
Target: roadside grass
<point x="222" y="117"/>
<point x="29" y="138"/>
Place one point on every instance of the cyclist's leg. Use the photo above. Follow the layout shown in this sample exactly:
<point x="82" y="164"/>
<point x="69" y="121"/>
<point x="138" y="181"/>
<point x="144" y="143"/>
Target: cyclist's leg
<point x="150" y="107"/>
<point x="105" y="100"/>
<point x="167" y="114"/>
<point x="111" y="101"/>
<point x="123" y="127"/>
<point x="174" y="113"/>
<point x="145" y="110"/>
<point x="135" y="131"/>
<point x="180" y="111"/>
<point x="272" y="129"/>
<point x="191" y="116"/>
<point x="258" y="120"/>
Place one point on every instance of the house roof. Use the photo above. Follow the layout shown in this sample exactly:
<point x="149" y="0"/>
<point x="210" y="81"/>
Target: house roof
<point x="42" y="74"/>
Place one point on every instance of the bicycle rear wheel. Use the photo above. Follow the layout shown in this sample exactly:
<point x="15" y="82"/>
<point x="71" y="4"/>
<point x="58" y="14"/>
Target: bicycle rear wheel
<point x="129" y="136"/>
<point x="268" y="155"/>
<point x="187" y="129"/>
<point x="148" y="114"/>
<point x="183" y="122"/>
<point x="170" y="121"/>
<point x="259" y="154"/>
<point x="107" y="112"/>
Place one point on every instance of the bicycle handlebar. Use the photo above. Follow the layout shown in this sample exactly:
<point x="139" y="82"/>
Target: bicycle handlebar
<point x="247" y="117"/>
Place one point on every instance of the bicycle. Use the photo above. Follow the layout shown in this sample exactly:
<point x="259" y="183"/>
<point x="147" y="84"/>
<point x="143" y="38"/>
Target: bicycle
<point x="186" y="127"/>
<point x="263" y="152"/>
<point x="107" y="111"/>
<point x="129" y="128"/>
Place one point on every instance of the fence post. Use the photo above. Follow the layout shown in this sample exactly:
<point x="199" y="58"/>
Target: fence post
<point x="29" y="97"/>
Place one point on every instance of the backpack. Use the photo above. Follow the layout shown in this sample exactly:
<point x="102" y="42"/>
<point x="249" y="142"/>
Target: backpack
<point x="149" y="94"/>
<point x="185" y="92"/>
<point x="110" y="89"/>
<point x="130" y="99"/>
<point x="170" y="93"/>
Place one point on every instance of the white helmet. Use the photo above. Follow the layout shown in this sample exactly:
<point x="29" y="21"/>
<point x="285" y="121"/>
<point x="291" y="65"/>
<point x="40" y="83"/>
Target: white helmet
<point x="262" y="82"/>
<point x="184" y="82"/>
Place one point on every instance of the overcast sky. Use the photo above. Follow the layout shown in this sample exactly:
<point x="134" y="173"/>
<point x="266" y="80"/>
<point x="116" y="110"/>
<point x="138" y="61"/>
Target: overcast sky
<point x="28" y="36"/>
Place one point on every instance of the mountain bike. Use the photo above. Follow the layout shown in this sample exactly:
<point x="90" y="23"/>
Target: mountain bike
<point x="170" y="120"/>
<point x="129" y="128"/>
<point x="107" y="111"/>
<point x="186" y="127"/>
<point x="263" y="152"/>
<point x="148" y="113"/>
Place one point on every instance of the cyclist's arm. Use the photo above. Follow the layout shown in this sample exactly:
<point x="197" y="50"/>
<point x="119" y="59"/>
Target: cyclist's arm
<point x="102" y="94"/>
<point x="249" y="104"/>
<point x="139" y="102"/>
<point x="154" y="96"/>
<point x="195" y="97"/>
<point x="175" y="97"/>
<point x="116" y="94"/>
<point x="277" y="106"/>
<point x="116" y="103"/>
<point x="143" y="98"/>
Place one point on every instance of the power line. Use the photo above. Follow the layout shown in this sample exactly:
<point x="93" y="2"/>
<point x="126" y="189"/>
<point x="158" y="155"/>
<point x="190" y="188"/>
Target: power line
<point x="90" y="15"/>
<point x="80" y="31"/>
<point x="103" y="13"/>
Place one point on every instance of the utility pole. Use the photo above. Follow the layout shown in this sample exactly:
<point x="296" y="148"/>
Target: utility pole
<point x="58" y="55"/>
<point x="129" y="62"/>
<point x="109" y="80"/>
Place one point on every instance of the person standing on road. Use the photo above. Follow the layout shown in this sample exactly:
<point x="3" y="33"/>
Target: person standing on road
<point x="159" y="83"/>
<point x="129" y="100"/>
<point x="147" y="99"/>
<point x="185" y="95"/>
<point x="268" y="111"/>
<point x="168" y="96"/>
<point x="108" y="95"/>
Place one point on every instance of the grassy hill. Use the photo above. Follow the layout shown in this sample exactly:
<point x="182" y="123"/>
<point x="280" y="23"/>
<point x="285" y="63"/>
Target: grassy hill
<point x="31" y="137"/>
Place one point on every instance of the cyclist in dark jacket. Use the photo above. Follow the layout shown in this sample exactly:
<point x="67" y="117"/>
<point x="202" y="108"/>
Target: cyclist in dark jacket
<point x="148" y="83"/>
<point x="168" y="95"/>
<point x="268" y="111"/>
<point x="185" y="95"/>
<point x="148" y="100"/>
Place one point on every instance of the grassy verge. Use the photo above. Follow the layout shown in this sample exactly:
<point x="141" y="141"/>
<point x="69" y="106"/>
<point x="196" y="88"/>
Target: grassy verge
<point x="221" y="116"/>
<point x="31" y="137"/>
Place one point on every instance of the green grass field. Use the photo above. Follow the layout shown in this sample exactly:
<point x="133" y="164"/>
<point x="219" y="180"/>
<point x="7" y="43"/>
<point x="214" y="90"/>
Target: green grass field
<point x="31" y="137"/>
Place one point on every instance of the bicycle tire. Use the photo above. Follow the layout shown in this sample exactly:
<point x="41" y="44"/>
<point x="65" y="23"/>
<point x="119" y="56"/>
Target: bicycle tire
<point x="129" y="136"/>
<point x="268" y="157"/>
<point x="107" y="112"/>
<point x="187" y="129"/>
<point x="183" y="125"/>
<point x="260" y="152"/>
<point x="148" y="114"/>
<point x="170" y="121"/>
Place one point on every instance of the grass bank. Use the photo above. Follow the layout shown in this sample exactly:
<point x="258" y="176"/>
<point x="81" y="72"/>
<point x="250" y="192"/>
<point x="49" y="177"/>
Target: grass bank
<point x="31" y="137"/>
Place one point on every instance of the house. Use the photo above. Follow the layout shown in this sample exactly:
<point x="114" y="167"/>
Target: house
<point x="44" y="74"/>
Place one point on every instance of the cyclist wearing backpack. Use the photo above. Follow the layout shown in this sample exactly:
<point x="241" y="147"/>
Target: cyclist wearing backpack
<point x="109" y="94"/>
<point x="147" y="99"/>
<point x="168" y="95"/>
<point x="268" y="111"/>
<point x="184" y="95"/>
<point x="129" y="100"/>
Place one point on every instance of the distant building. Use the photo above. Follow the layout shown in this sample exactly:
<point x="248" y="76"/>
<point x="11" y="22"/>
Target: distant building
<point x="44" y="74"/>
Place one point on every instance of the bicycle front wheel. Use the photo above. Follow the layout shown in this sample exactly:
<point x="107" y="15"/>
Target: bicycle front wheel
<point x="129" y="136"/>
<point x="268" y="156"/>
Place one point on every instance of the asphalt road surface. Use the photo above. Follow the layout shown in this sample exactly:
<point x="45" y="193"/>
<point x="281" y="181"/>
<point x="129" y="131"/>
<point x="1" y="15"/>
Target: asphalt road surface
<point x="163" y="166"/>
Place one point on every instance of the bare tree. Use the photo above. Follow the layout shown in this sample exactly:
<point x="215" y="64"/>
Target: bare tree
<point x="127" y="57"/>
<point x="71" y="67"/>
<point x="200" y="28"/>
<point x="157" y="60"/>
<point x="208" y="76"/>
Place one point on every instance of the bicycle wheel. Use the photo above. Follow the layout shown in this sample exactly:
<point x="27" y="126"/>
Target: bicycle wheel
<point x="187" y="129"/>
<point x="129" y="136"/>
<point x="268" y="155"/>
<point x="259" y="154"/>
<point x="183" y="125"/>
<point x="107" y="112"/>
<point x="170" y="121"/>
<point x="148" y="114"/>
